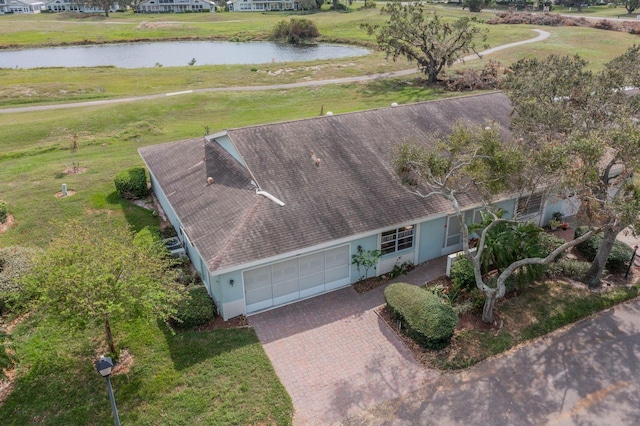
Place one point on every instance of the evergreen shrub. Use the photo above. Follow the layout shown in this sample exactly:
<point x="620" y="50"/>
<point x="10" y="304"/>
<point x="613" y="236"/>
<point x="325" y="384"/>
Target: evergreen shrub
<point x="426" y="319"/>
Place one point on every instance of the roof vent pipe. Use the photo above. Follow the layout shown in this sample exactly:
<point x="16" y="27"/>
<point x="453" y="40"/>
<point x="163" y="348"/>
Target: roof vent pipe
<point x="271" y="197"/>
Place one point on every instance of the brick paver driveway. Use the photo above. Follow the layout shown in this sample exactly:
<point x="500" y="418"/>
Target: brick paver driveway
<point x="336" y="357"/>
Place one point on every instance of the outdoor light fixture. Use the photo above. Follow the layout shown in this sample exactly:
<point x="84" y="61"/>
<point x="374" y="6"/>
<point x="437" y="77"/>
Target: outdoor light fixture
<point x="104" y="366"/>
<point x="231" y="282"/>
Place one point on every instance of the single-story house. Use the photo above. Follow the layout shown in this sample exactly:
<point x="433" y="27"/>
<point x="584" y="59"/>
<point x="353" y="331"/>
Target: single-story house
<point x="76" y="6"/>
<point x="21" y="6"/>
<point x="175" y="6"/>
<point x="261" y="5"/>
<point x="272" y="214"/>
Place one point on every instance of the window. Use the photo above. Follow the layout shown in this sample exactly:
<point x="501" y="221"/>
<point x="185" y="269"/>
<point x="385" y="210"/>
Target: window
<point x="529" y="205"/>
<point x="397" y="239"/>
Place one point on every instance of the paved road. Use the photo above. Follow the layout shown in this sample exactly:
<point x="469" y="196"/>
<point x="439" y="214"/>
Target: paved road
<point x="587" y="374"/>
<point x="542" y="35"/>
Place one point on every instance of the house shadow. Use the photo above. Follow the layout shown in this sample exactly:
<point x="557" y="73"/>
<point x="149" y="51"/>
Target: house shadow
<point x="188" y="348"/>
<point x="137" y="217"/>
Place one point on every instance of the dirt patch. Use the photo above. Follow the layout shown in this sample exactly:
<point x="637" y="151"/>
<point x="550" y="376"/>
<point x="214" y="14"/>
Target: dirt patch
<point x="218" y="323"/>
<point x="364" y="286"/>
<point x="74" y="170"/>
<point x="70" y="192"/>
<point x="124" y="363"/>
<point x="157" y="25"/>
<point x="8" y="223"/>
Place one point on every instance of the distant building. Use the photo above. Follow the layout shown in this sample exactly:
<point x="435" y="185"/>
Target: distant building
<point x="76" y="6"/>
<point x="21" y="6"/>
<point x="261" y="5"/>
<point x="175" y="6"/>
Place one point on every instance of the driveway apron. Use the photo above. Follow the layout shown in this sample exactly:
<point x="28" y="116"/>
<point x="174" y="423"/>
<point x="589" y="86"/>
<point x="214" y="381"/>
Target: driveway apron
<point x="336" y="357"/>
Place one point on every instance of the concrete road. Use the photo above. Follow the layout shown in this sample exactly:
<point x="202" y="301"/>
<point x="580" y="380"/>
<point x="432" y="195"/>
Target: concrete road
<point x="586" y="374"/>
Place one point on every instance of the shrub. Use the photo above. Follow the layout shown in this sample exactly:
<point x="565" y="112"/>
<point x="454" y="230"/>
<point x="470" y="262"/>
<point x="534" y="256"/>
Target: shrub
<point x="549" y="242"/>
<point x="15" y="262"/>
<point x="569" y="268"/>
<point x="195" y="309"/>
<point x="294" y="30"/>
<point x="132" y="183"/>
<point x="619" y="257"/>
<point x="462" y="275"/>
<point x="426" y="318"/>
<point x="4" y="212"/>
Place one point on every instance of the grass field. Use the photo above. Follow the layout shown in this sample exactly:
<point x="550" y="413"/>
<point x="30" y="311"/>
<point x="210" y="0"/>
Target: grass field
<point x="218" y="377"/>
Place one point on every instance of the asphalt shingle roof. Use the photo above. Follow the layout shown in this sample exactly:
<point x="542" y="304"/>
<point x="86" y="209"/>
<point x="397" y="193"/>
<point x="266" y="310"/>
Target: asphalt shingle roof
<point x="353" y="191"/>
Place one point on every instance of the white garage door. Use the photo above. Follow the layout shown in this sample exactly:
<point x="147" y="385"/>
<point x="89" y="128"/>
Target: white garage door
<point x="294" y="279"/>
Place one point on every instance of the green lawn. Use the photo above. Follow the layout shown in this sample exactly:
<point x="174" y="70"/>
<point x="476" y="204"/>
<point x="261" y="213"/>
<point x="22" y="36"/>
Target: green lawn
<point x="220" y="377"/>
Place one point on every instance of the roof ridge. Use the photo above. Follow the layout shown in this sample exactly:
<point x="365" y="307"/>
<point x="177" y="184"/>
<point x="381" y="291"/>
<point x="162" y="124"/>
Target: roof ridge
<point x="473" y="95"/>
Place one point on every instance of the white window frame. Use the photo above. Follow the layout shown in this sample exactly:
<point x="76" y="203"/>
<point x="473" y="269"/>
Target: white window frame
<point x="398" y="237"/>
<point x="529" y="206"/>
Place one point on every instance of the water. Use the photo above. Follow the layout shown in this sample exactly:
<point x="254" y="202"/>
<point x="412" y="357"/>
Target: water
<point x="172" y="54"/>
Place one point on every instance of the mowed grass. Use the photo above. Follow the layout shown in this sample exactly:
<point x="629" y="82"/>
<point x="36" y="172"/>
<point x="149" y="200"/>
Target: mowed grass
<point x="35" y="146"/>
<point x="219" y="377"/>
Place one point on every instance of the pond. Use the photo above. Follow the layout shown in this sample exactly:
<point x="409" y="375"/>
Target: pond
<point x="172" y="54"/>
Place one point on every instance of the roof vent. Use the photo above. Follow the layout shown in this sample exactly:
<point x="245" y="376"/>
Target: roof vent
<point x="394" y="104"/>
<point x="329" y="113"/>
<point x="315" y="158"/>
<point x="209" y="180"/>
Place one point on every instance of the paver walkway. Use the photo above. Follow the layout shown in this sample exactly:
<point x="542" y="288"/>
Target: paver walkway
<point x="336" y="357"/>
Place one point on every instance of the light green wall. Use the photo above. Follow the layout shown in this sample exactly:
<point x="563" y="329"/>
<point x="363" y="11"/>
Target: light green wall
<point x="431" y="239"/>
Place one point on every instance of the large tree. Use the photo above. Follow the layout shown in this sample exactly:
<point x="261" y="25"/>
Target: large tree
<point x="631" y="5"/>
<point x="588" y="126"/>
<point x="424" y="37"/>
<point x="478" y="164"/>
<point x="95" y="275"/>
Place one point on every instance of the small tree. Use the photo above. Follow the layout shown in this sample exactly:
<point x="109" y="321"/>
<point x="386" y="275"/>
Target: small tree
<point x="365" y="259"/>
<point x="476" y="5"/>
<point x="97" y="275"/>
<point x="4" y="211"/>
<point x="424" y="37"/>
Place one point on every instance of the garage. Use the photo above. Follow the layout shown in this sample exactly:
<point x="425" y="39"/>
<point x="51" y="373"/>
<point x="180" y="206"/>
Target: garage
<point x="305" y="276"/>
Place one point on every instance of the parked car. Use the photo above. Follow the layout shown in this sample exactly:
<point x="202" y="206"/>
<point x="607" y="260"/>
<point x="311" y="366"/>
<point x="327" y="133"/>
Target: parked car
<point x="174" y="245"/>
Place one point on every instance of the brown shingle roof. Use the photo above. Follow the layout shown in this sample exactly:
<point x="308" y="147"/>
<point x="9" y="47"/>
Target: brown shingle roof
<point x="354" y="190"/>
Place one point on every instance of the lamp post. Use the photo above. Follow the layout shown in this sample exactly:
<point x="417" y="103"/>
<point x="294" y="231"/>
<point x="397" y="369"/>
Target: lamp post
<point x="104" y="365"/>
<point x="633" y="256"/>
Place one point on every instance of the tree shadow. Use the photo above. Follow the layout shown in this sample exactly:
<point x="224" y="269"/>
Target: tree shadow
<point x="410" y="89"/>
<point x="583" y="375"/>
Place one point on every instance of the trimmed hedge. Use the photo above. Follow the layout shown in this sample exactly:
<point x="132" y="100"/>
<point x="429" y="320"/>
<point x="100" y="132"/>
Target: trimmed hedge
<point x="426" y="318"/>
<point x="195" y="309"/>
<point x="131" y="184"/>
<point x="619" y="257"/>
